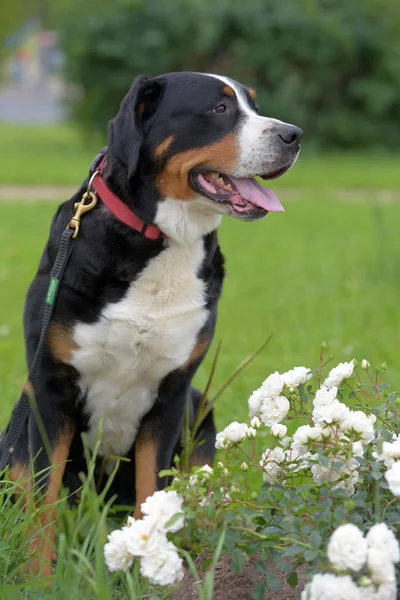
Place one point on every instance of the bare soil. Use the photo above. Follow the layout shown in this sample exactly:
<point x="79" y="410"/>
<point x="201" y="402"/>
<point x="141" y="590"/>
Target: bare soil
<point x="231" y="586"/>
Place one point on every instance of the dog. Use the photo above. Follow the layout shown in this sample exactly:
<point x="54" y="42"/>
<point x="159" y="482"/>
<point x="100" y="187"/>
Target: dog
<point x="136" y="313"/>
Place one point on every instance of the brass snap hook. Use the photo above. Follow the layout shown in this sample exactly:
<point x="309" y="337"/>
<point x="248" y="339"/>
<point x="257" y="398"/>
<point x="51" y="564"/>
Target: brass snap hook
<point x="81" y="208"/>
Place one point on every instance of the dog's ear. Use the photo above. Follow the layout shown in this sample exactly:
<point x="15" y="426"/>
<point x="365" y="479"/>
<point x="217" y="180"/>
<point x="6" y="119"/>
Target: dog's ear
<point x="125" y="132"/>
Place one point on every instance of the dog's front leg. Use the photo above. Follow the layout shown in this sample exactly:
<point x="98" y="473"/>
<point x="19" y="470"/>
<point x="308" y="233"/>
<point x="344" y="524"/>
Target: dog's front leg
<point x="156" y="441"/>
<point x="51" y="429"/>
<point x="45" y="498"/>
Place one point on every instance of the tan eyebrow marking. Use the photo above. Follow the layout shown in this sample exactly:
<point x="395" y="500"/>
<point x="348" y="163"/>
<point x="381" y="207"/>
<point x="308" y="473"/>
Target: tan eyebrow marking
<point x="252" y="93"/>
<point x="163" y="147"/>
<point x="228" y="91"/>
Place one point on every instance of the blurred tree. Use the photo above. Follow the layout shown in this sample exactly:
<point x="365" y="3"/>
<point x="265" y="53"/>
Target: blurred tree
<point x="15" y="14"/>
<point x="330" y="66"/>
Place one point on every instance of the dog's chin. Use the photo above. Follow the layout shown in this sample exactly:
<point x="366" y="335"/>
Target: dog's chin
<point x="241" y="197"/>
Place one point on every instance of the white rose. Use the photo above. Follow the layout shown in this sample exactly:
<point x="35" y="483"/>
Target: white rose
<point x="286" y="441"/>
<point x="255" y="423"/>
<point x="348" y="484"/>
<point x="201" y="475"/>
<point x="331" y="587"/>
<point x="381" y="538"/>
<point x="367" y="592"/>
<point x="270" y="463"/>
<point x="164" y="567"/>
<point x="273" y="385"/>
<point x="255" y="402"/>
<point x="143" y="537"/>
<point x="347" y="473"/>
<point x="382" y="570"/>
<point x="365" y="364"/>
<point x="274" y="410"/>
<point x="296" y="461"/>
<point x="116" y="553"/>
<point x="338" y="374"/>
<point x="360" y="424"/>
<point x="390" y="452"/>
<point x="251" y="433"/>
<point x="392" y="476"/>
<point x="334" y="413"/>
<point x="358" y="448"/>
<point x="324" y="396"/>
<point x="161" y="507"/>
<point x="279" y="430"/>
<point x="304" y="436"/>
<point x="221" y="443"/>
<point x="347" y="548"/>
<point x="206" y="501"/>
<point x="234" y="433"/>
<point x="386" y="591"/>
<point x="296" y="377"/>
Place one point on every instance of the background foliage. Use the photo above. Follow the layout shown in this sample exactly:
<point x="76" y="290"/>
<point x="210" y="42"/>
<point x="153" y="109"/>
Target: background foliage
<point x="332" y="67"/>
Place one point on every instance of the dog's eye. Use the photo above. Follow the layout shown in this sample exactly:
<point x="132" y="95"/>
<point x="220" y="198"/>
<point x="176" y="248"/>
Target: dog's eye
<point x="256" y="108"/>
<point x="221" y="108"/>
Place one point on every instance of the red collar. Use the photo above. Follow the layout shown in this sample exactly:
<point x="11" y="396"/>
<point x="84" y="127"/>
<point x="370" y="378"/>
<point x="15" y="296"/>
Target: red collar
<point x="119" y="209"/>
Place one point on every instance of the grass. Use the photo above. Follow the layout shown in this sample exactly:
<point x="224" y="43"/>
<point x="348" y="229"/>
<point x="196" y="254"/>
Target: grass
<point x="60" y="155"/>
<point x="327" y="269"/>
<point x="324" y="270"/>
<point x="50" y="155"/>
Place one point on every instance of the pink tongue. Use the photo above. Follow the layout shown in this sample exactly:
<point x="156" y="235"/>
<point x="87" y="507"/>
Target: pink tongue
<point x="255" y="193"/>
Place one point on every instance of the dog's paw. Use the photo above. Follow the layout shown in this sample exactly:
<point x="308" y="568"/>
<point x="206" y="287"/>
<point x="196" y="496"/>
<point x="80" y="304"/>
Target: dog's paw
<point x="43" y="558"/>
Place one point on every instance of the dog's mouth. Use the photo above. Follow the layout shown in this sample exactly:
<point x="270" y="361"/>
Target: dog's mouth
<point x="245" y="197"/>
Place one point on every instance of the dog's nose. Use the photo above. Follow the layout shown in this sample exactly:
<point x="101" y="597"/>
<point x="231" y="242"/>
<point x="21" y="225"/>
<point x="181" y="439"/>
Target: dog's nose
<point x="290" y="134"/>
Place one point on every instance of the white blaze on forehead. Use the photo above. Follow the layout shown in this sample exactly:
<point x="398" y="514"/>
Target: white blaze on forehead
<point x="243" y="100"/>
<point x="258" y="146"/>
<point x="240" y="95"/>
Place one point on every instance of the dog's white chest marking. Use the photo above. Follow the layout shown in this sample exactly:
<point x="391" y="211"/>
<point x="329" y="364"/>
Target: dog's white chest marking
<point x="123" y="357"/>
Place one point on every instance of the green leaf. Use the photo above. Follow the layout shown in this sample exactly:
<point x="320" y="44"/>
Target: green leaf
<point x="315" y="539"/>
<point x="173" y="520"/>
<point x="306" y="529"/>
<point x="167" y="472"/>
<point x="238" y="561"/>
<point x="258" y="591"/>
<point x="293" y="579"/>
<point x="284" y="566"/>
<point x="294" y="550"/>
<point x="273" y="582"/>
<point x="303" y="396"/>
<point x="273" y="531"/>
<point x="261" y="566"/>
<point x="310" y="555"/>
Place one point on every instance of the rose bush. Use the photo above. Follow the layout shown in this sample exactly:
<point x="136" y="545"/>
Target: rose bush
<point x="319" y="489"/>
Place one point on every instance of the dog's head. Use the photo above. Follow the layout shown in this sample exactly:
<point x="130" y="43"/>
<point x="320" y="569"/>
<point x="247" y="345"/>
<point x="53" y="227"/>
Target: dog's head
<point x="188" y="146"/>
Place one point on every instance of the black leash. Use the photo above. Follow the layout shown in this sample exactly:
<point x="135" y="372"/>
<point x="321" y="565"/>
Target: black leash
<point x="21" y="411"/>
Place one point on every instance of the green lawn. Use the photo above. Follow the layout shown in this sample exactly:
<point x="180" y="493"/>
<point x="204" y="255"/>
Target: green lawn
<point x="324" y="270"/>
<point x="60" y="155"/>
<point x="50" y="155"/>
<point x="328" y="269"/>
